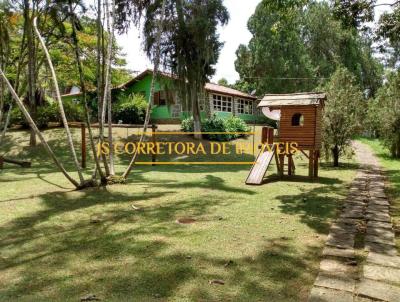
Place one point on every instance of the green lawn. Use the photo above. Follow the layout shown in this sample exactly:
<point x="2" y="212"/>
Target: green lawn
<point x="264" y="242"/>
<point x="391" y="167"/>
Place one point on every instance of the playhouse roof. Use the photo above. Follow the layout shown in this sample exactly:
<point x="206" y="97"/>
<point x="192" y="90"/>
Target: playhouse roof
<point x="293" y="99"/>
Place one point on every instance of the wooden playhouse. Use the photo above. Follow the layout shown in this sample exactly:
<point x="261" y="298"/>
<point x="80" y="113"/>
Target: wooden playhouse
<point x="299" y="117"/>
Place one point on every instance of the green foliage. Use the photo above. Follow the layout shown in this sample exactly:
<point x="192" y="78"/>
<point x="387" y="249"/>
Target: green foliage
<point x="298" y="47"/>
<point x="49" y="112"/>
<point x="389" y="33"/>
<point x="384" y="114"/>
<point x="343" y="112"/>
<point x="187" y="125"/>
<point x="130" y="109"/>
<point x="223" y="82"/>
<point x="190" y="44"/>
<point x="353" y="13"/>
<point x="217" y="124"/>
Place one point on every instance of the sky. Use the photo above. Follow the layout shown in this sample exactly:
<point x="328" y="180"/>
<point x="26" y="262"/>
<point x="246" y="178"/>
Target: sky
<point x="233" y="34"/>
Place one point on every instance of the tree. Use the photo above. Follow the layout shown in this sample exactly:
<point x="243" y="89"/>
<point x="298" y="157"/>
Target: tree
<point x="342" y="113"/>
<point x="353" y="13"/>
<point x="388" y="33"/>
<point x="223" y="82"/>
<point x="190" y="45"/>
<point x="157" y="57"/>
<point x="298" y="47"/>
<point x="385" y="113"/>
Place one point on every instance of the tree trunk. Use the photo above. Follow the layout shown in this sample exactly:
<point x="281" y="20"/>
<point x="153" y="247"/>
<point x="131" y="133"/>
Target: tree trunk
<point x="6" y="122"/>
<point x="335" y="154"/>
<point x="151" y="100"/>
<point x="60" y="105"/>
<point x="107" y="86"/>
<point x="37" y="132"/>
<point x="84" y="94"/>
<point x="100" y="82"/>
<point x="196" y="113"/>
<point x="31" y="65"/>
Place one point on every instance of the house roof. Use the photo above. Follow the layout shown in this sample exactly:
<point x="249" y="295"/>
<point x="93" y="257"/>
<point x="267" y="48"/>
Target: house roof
<point x="293" y="99"/>
<point x="227" y="90"/>
<point x="141" y="75"/>
<point x="211" y="87"/>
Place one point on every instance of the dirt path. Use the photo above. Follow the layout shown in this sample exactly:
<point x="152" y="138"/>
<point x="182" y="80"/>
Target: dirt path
<point x="360" y="261"/>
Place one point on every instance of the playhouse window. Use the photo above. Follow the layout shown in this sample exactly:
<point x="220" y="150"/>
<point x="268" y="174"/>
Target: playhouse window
<point x="222" y="103"/>
<point x="297" y="119"/>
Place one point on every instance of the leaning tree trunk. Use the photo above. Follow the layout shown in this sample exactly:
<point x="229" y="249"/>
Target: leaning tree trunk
<point x="84" y="94"/>
<point x="35" y="128"/>
<point x="335" y="154"/>
<point x="151" y="98"/>
<point x="6" y="123"/>
<point x="60" y="105"/>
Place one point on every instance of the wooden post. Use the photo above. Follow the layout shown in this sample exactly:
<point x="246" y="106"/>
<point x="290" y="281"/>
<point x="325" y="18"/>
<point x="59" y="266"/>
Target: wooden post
<point x="281" y="164"/>
<point x="290" y="164"/>
<point x="278" y="165"/>
<point x="311" y="164"/>
<point x="264" y="135"/>
<point x="153" y="136"/>
<point x="316" y="163"/>
<point x="83" y="145"/>
<point x="1" y="162"/>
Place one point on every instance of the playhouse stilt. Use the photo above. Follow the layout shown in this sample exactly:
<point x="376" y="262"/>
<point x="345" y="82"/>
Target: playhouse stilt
<point x="316" y="164"/>
<point x="281" y="164"/>
<point x="311" y="158"/>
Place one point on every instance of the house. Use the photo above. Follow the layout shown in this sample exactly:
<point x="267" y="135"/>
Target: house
<point x="216" y="99"/>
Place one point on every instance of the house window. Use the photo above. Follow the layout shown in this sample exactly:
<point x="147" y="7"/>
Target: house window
<point x="164" y="97"/>
<point x="297" y="119"/>
<point x="245" y="106"/>
<point x="222" y="103"/>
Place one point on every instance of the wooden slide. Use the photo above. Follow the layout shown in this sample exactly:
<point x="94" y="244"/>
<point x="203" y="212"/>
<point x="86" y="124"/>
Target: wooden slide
<point x="260" y="166"/>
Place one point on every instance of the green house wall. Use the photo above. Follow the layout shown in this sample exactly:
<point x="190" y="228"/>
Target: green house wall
<point x="165" y="112"/>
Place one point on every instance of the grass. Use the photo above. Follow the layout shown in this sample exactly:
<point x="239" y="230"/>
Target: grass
<point x="391" y="168"/>
<point x="264" y="242"/>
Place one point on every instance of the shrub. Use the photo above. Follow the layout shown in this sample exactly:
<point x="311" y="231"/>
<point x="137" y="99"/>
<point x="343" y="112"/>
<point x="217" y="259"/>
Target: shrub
<point x="216" y="124"/>
<point x="73" y="111"/>
<point x="130" y="109"/>
<point x="47" y="113"/>
<point x="187" y="125"/>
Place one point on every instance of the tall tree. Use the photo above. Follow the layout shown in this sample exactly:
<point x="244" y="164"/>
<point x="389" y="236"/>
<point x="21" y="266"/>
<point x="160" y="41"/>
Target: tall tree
<point x="385" y="113"/>
<point x="297" y="47"/>
<point x="190" y="46"/>
<point x="389" y="36"/>
<point x="342" y="113"/>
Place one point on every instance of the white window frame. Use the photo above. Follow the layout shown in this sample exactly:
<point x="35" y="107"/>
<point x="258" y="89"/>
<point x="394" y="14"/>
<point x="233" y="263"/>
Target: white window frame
<point x="245" y="106"/>
<point x="222" y="103"/>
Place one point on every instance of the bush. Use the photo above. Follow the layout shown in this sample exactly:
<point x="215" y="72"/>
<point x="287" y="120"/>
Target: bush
<point x="187" y="125"/>
<point x="49" y="113"/>
<point x="73" y="111"/>
<point x="216" y="124"/>
<point x="46" y="114"/>
<point x="130" y="109"/>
